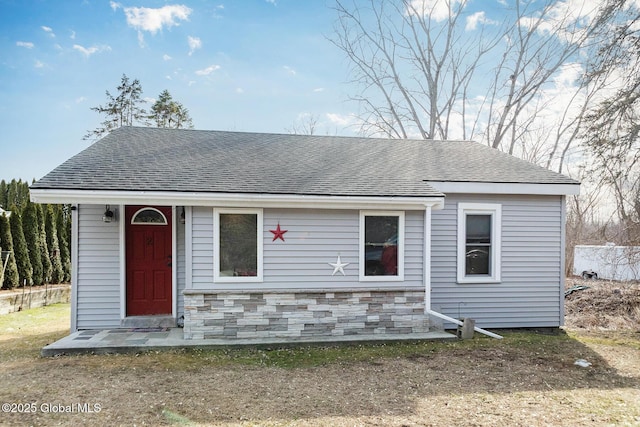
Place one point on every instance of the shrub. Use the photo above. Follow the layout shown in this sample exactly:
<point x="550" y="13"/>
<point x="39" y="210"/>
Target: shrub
<point x="11" y="278"/>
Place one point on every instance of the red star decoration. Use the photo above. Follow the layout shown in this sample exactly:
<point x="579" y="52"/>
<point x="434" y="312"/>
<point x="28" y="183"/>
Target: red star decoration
<point x="278" y="233"/>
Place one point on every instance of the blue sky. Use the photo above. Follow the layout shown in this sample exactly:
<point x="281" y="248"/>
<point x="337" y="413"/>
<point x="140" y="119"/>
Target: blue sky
<point x="244" y="65"/>
<point x="251" y="65"/>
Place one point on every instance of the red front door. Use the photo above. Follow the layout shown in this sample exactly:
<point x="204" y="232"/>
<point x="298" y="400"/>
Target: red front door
<point x="149" y="260"/>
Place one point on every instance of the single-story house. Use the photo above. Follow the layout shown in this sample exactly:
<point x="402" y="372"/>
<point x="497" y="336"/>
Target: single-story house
<point x="255" y="235"/>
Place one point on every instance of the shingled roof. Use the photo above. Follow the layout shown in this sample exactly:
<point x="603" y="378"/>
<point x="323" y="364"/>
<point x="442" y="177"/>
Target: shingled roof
<point x="152" y="159"/>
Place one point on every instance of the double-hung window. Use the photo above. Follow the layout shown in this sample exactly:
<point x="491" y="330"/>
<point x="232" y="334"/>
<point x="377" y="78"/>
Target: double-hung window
<point x="479" y="241"/>
<point x="237" y="245"/>
<point x="381" y="246"/>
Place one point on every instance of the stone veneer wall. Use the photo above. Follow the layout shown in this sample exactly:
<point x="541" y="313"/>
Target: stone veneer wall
<point x="215" y="315"/>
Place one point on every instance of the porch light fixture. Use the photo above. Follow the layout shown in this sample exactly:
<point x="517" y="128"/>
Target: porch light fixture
<point x="182" y="217"/>
<point x="109" y="215"/>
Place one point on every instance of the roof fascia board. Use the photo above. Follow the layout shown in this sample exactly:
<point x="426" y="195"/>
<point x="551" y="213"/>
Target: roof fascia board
<point x="232" y="199"/>
<point x="448" y="187"/>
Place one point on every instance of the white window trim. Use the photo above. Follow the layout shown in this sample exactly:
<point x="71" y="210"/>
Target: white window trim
<point x="361" y="243"/>
<point x="216" y="246"/>
<point x="148" y="208"/>
<point x="495" y="210"/>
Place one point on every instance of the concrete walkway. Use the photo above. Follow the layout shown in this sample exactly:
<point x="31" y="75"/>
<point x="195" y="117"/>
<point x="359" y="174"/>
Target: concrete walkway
<point x="141" y="339"/>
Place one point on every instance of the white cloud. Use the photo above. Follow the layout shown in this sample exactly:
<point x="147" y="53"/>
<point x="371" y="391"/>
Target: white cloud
<point x="48" y="30"/>
<point x="80" y="100"/>
<point x="154" y="20"/>
<point x="115" y="5"/>
<point x="290" y="70"/>
<point x="218" y="8"/>
<point x="28" y="45"/>
<point x="194" y="44"/>
<point x="239" y="90"/>
<point x="166" y="57"/>
<point x="477" y="18"/>
<point x="341" y="119"/>
<point x="206" y="71"/>
<point x="438" y="10"/>
<point x="73" y="35"/>
<point x="39" y="64"/>
<point x="569" y="75"/>
<point x="566" y="19"/>
<point x="90" y="50"/>
<point x="273" y="2"/>
<point x="319" y="89"/>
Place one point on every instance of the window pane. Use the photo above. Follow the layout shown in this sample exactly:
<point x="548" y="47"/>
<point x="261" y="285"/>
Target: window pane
<point x="478" y="245"/>
<point x="477" y="260"/>
<point x="238" y="245"/>
<point x="478" y="228"/>
<point x="149" y="216"/>
<point x="381" y="245"/>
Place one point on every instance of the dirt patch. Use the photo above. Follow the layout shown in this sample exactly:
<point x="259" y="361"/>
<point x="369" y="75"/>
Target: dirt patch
<point x="526" y="379"/>
<point x="489" y="384"/>
<point x="604" y="305"/>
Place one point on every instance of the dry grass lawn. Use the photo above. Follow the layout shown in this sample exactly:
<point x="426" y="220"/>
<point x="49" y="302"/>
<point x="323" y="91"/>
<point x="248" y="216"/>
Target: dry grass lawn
<point x="527" y="379"/>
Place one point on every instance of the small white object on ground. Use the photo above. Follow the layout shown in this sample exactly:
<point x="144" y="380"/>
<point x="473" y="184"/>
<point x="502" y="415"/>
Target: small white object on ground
<point x="583" y="363"/>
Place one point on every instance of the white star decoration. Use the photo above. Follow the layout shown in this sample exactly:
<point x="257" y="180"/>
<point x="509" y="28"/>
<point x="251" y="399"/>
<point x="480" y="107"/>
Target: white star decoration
<point x="338" y="266"/>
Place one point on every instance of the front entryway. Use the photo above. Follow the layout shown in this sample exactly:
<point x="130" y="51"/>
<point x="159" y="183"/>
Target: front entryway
<point x="148" y="260"/>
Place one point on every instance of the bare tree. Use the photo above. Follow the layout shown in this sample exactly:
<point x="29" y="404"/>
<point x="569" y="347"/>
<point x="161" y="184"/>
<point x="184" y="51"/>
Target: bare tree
<point x="613" y="130"/>
<point x="412" y="64"/>
<point x="582" y="226"/>
<point x="305" y="124"/>
<point x="420" y="67"/>
<point x="542" y="39"/>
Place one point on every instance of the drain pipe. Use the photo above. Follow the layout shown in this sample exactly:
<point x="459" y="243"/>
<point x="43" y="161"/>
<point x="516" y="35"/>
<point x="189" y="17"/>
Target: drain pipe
<point x="427" y="277"/>
<point x="459" y="323"/>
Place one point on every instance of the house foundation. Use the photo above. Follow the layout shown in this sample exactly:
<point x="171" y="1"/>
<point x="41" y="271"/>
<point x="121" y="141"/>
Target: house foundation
<point x="227" y="315"/>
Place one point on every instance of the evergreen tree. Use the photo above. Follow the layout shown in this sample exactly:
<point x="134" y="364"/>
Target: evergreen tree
<point x="123" y="110"/>
<point x="47" y="267"/>
<point x="20" y="251"/>
<point x="11" y="278"/>
<point x="51" y="230"/>
<point x="167" y="113"/>
<point x="3" y="195"/>
<point x="12" y="193"/>
<point x="24" y="195"/>
<point x="63" y="241"/>
<point x="32" y="237"/>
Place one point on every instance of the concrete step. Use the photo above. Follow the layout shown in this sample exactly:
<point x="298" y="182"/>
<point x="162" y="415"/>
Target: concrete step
<point x="159" y="321"/>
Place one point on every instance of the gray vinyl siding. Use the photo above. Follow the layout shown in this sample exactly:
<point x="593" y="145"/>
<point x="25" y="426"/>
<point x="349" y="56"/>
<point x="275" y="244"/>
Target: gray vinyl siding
<point x="527" y="296"/>
<point x="202" y="247"/>
<point x="529" y="292"/>
<point x="98" y="270"/>
<point x="181" y="264"/>
<point x="313" y="240"/>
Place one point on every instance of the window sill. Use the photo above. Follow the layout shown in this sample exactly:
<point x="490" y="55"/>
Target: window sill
<point x="381" y="279"/>
<point x="237" y="280"/>
<point x="478" y="280"/>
